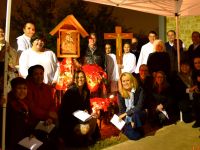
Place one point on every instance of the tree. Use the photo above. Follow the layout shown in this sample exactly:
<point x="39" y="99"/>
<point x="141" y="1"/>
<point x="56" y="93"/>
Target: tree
<point x="46" y="14"/>
<point x="41" y="13"/>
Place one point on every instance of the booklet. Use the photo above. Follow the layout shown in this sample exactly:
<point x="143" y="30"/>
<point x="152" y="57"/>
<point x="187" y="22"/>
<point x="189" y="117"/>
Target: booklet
<point x="46" y="128"/>
<point x="116" y="122"/>
<point x="30" y="143"/>
<point x="82" y="115"/>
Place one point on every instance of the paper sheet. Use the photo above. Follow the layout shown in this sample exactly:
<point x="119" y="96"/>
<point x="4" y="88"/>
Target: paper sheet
<point x="30" y="143"/>
<point x="82" y="115"/>
<point x="117" y="123"/>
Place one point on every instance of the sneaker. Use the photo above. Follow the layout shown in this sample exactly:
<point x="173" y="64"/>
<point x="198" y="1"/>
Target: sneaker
<point x="196" y="124"/>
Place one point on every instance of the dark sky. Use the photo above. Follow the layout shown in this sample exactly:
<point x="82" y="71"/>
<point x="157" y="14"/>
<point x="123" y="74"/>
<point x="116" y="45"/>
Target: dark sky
<point x="140" y="23"/>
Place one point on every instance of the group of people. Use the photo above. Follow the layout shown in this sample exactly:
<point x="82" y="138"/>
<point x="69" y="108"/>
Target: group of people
<point x="31" y="96"/>
<point x="164" y="91"/>
<point x="148" y="86"/>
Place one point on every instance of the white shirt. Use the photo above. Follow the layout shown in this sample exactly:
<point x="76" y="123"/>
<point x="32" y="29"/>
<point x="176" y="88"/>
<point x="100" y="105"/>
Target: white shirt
<point x="183" y="45"/>
<point x="112" y="67"/>
<point x="47" y="59"/>
<point x="23" y="42"/>
<point x="144" y="54"/>
<point x="129" y="62"/>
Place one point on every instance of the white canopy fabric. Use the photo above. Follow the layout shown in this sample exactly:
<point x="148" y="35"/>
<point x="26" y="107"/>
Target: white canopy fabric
<point x="158" y="7"/>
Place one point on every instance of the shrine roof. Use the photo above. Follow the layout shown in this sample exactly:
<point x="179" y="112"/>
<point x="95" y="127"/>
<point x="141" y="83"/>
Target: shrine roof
<point x="70" y="23"/>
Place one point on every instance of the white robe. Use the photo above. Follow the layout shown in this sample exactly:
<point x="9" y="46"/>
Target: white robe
<point x="47" y="59"/>
<point x="112" y="67"/>
<point x="23" y="43"/>
<point x="144" y="54"/>
<point x="112" y="71"/>
<point x="129" y="62"/>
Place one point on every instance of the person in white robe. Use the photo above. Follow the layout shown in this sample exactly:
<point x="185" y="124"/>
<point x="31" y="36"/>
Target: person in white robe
<point x="146" y="50"/>
<point x="23" y="41"/>
<point x="39" y="55"/>
<point x="111" y="68"/>
<point x="129" y="60"/>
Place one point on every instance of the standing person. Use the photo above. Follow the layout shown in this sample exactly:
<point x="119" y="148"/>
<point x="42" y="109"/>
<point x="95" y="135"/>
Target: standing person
<point x="134" y="48"/>
<point x="111" y="68"/>
<point x="146" y="50"/>
<point x="130" y="103"/>
<point x="129" y="60"/>
<point x="12" y="60"/>
<point x="196" y="95"/>
<point x="159" y="60"/>
<point x="93" y="54"/>
<point x="194" y="48"/>
<point x="23" y="41"/>
<point x="37" y="54"/>
<point x="183" y="91"/>
<point x="73" y="131"/>
<point x="171" y="49"/>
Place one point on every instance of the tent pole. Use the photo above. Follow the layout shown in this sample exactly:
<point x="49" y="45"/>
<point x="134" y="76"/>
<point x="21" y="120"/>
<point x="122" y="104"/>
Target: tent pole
<point x="7" y="34"/>
<point x="177" y="37"/>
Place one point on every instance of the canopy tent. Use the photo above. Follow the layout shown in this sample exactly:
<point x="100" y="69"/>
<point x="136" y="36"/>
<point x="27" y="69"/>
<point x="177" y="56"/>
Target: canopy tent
<point x="158" y="7"/>
<point x="171" y="8"/>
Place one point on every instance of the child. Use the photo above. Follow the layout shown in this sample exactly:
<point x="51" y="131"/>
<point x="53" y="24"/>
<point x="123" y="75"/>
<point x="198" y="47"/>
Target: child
<point x="129" y="60"/>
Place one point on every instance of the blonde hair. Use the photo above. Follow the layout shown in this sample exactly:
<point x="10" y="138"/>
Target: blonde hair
<point x="159" y="42"/>
<point x="124" y="93"/>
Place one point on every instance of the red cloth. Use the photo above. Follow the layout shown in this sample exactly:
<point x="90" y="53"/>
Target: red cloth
<point x="41" y="101"/>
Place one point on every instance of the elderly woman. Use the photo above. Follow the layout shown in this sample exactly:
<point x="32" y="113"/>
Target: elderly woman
<point x="130" y="102"/>
<point x="38" y="55"/>
<point x="159" y="60"/>
<point x="77" y="97"/>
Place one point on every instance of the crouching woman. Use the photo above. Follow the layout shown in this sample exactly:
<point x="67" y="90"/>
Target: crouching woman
<point x="130" y="103"/>
<point x="73" y="131"/>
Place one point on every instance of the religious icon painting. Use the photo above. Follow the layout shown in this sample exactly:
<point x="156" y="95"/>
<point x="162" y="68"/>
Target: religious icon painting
<point x="69" y="44"/>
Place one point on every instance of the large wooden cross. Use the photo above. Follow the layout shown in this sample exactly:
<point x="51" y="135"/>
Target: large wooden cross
<point x="118" y="35"/>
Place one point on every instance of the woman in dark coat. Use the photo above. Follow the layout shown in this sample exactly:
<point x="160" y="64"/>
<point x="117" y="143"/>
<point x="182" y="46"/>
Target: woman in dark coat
<point x="183" y="91"/>
<point x="17" y="114"/>
<point x="160" y="103"/>
<point x="159" y="60"/>
<point x="130" y="102"/>
<point x="77" y="97"/>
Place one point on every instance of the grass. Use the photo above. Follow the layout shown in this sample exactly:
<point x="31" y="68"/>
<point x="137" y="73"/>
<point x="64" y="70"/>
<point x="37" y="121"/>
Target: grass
<point x="113" y="140"/>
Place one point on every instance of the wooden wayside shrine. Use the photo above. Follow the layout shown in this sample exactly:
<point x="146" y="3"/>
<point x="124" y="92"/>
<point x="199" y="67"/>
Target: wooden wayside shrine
<point x="68" y="37"/>
<point x="119" y="36"/>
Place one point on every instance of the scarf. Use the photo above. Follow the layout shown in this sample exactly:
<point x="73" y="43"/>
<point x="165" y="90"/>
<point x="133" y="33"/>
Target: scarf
<point x="186" y="78"/>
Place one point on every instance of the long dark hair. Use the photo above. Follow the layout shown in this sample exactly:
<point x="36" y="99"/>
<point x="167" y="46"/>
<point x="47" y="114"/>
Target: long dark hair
<point x="76" y="73"/>
<point x="163" y="86"/>
<point x="85" y="91"/>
